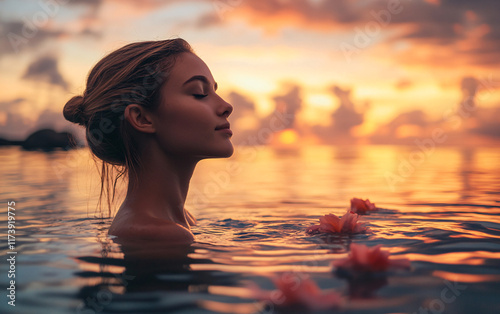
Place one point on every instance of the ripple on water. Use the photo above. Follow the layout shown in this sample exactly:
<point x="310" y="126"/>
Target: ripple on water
<point x="450" y="232"/>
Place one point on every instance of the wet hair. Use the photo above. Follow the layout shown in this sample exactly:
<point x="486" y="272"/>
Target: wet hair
<point x="132" y="74"/>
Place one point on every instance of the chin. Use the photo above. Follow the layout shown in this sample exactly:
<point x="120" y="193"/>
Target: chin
<point x="228" y="152"/>
<point x="222" y="152"/>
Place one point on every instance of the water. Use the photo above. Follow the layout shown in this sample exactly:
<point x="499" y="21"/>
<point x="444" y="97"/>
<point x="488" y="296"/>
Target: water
<point x="441" y="211"/>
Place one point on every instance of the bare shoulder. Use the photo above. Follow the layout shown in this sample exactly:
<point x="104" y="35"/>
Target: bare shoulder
<point x="144" y="228"/>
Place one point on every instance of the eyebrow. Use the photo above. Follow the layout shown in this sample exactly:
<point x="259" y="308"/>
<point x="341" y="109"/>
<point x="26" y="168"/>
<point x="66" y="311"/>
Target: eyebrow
<point x="200" y="78"/>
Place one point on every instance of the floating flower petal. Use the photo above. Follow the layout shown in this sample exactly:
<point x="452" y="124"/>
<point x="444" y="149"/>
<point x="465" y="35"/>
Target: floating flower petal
<point x="361" y="207"/>
<point x="347" y="224"/>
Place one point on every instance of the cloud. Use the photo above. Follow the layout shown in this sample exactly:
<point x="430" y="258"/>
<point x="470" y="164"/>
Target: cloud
<point x="31" y="31"/>
<point x="93" y="5"/>
<point x="16" y="125"/>
<point x="469" y="86"/>
<point x="403" y="84"/>
<point x="414" y="117"/>
<point x="254" y="130"/>
<point x="467" y="29"/>
<point x="275" y="14"/>
<point x="91" y="33"/>
<point x="489" y="122"/>
<point x="11" y="104"/>
<point x="13" y="123"/>
<point x="17" y="35"/>
<point x="463" y="126"/>
<point x="345" y="117"/>
<point x="242" y="105"/>
<point x="244" y="119"/>
<point x="45" y="69"/>
<point x="289" y="104"/>
<point x="50" y="119"/>
<point x="404" y="128"/>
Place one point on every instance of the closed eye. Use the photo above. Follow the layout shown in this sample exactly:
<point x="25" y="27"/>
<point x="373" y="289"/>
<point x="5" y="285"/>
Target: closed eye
<point x="200" y="96"/>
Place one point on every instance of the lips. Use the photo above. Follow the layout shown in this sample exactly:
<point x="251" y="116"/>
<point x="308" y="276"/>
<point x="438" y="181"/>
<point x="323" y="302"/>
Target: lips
<point x="223" y="126"/>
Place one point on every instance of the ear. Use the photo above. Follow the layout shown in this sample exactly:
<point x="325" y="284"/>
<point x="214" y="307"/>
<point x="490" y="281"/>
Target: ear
<point x="139" y="118"/>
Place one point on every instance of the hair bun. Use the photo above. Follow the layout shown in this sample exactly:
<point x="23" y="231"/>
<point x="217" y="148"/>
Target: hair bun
<point x="73" y="111"/>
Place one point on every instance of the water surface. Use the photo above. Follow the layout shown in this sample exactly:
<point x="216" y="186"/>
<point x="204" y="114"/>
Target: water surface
<point x="441" y="211"/>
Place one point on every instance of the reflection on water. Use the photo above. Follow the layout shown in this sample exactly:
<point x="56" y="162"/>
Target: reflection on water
<point x="442" y="214"/>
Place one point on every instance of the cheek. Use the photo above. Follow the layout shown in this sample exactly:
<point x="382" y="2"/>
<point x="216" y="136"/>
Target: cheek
<point x="186" y="125"/>
<point x="194" y="122"/>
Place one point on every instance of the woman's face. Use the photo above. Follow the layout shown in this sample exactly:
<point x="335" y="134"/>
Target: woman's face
<point x="191" y="119"/>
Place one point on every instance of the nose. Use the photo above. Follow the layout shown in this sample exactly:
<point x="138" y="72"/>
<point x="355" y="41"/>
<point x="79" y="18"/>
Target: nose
<point x="224" y="109"/>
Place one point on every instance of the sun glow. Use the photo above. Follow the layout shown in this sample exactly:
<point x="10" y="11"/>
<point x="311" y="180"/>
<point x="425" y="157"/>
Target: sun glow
<point x="286" y="137"/>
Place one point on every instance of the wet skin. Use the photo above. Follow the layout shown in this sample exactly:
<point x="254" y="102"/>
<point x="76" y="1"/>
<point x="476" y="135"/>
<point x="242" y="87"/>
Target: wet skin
<point x="190" y="124"/>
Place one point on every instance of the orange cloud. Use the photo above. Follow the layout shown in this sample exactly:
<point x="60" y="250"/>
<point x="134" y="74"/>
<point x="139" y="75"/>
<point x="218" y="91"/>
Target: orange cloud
<point x="442" y="26"/>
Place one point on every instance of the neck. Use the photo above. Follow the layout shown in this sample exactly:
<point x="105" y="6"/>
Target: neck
<point x="160" y="186"/>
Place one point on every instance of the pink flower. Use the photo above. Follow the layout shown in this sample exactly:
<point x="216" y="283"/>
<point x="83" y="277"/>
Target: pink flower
<point x="361" y="207"/>
<point x="347" y="224"/>
<point x="296" y="291"/>
<point x="366" y="259"/>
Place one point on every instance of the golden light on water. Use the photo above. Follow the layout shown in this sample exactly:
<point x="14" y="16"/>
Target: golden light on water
<point x="469" y="278"/>
<point x="441" y="215"/>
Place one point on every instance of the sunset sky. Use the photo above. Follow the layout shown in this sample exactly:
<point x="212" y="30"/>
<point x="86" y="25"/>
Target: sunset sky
<point x="408" y="64"/>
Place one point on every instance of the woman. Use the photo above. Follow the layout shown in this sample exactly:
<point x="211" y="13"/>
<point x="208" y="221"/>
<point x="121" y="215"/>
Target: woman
<point x="151" y="109"/>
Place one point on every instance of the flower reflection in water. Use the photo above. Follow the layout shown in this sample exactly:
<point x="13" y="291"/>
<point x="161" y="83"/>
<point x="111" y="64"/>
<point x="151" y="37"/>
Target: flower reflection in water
<point x="364" y="259"/>
<point x="296" y="290"/>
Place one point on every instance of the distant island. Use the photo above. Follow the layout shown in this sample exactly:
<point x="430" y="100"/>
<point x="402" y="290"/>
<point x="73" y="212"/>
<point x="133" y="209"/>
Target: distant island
<point x="45" y="140"/>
